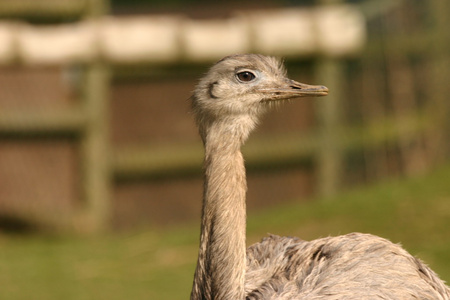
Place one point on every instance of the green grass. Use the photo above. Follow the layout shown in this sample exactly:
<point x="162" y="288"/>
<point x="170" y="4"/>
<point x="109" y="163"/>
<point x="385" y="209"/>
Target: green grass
<point x="160" y="264"/>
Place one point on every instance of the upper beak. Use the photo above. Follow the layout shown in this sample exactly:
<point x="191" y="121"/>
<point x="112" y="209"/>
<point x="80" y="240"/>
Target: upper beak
<point x="293" y="89"/>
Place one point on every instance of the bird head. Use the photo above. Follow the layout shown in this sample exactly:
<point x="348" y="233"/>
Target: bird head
<point x="240" y="87"/>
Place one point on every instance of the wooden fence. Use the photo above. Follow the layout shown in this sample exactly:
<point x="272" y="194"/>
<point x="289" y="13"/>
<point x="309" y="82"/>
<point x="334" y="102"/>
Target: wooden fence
<point x="328" y="143"/>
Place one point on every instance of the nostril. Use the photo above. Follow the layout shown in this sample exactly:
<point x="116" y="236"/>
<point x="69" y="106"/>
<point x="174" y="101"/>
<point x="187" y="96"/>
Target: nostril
<point x="296" y="87"/>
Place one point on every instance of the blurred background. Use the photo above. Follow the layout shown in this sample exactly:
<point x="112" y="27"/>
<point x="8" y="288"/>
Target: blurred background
<point x="100" y="161"/>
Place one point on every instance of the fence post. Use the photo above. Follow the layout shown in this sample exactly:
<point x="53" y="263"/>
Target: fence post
<point x="329" y="72"/>
<point x="94" y="144"/>
<point x="328" y="111"/>
<point x="439" y="73"/>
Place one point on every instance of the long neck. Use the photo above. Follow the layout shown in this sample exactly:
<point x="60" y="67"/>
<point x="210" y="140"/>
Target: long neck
<point x="220" y="272"/>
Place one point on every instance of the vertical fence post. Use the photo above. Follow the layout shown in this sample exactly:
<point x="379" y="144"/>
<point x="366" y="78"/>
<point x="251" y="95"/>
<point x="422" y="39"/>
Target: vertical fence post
<point x="94" y="144"/>
<point x="329" y="71"/>
<point x="439" y="74"/>
<point x="328" y="111"/>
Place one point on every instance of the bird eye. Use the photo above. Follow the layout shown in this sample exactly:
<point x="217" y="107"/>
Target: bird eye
<point x="245" y="76"/>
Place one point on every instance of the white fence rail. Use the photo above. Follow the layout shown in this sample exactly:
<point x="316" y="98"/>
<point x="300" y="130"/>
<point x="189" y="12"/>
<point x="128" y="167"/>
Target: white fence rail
<point x="332" y="31"/>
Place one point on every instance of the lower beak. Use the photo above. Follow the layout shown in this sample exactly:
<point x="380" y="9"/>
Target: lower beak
<point x="294" y="89"/>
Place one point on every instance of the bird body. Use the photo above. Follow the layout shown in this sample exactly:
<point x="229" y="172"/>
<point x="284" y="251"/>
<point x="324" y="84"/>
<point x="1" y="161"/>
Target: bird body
<point x="353" y="266"/>
<point x="227" y="104"/>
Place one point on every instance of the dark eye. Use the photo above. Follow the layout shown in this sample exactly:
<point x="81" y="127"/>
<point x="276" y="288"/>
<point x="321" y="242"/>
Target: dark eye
<point x="245" y="76"/>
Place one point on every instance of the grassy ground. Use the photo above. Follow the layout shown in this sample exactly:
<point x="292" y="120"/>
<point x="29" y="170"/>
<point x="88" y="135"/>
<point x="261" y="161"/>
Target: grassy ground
<point x="160" y="264"/>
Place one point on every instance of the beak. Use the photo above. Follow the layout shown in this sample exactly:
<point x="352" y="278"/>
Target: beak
<point x="293" y="89"/>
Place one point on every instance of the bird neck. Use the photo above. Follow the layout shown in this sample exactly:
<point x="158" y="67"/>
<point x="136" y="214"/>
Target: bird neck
<point x="220" y="272"/>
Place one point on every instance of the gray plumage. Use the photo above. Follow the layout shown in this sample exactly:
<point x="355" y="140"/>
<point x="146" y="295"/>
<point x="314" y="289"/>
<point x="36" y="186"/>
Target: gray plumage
<point x="227" y="104"/>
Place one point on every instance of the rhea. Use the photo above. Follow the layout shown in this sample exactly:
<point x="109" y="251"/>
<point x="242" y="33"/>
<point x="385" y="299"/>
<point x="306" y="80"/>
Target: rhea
<point x="227" y="103"/>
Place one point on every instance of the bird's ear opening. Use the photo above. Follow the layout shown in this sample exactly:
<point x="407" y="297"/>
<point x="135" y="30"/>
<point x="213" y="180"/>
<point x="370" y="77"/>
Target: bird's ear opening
<point x="211" y="90"/>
